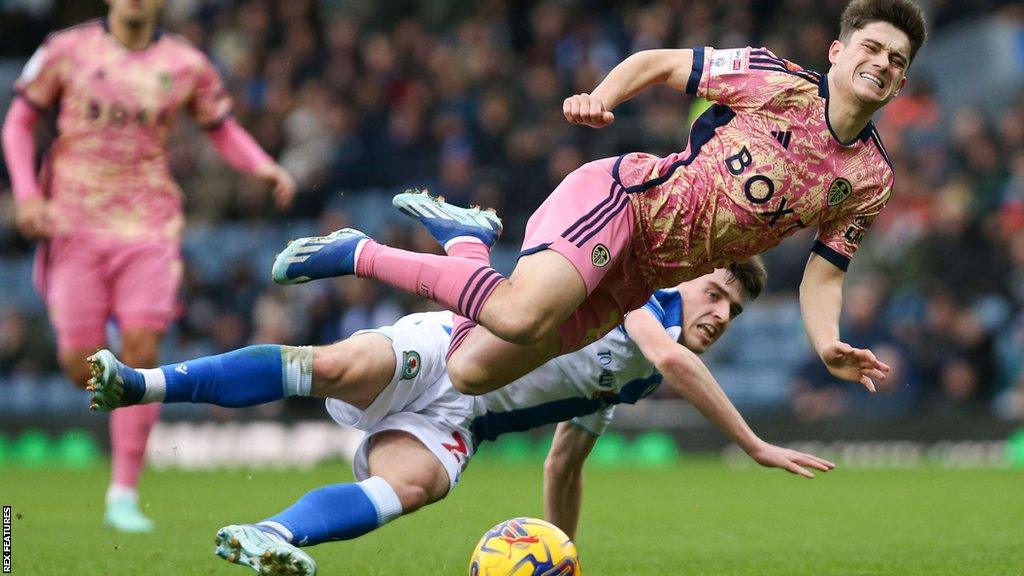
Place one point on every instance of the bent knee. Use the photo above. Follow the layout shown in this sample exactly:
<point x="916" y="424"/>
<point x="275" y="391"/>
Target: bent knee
<point x="471" y="378"/>
<point x="523" y="329"/>
<point x="412" y="496"/>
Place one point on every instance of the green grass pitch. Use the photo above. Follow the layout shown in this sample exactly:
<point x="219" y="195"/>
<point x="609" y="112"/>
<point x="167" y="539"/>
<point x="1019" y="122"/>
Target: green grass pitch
<point x="692" y="518"/>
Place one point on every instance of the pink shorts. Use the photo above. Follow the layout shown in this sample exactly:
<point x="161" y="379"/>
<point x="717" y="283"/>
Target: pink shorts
<point x="87" y="279"/>
<point x="589" y="220"/>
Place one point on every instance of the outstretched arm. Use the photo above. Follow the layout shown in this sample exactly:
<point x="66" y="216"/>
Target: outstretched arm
<point x="31" y="212"/>
<point x="688" y="376"/>
<point x="563" y="476"/>
<point x="240" y="150"/>
<point x="630" y="77"/>
<point x="821" y="300"/>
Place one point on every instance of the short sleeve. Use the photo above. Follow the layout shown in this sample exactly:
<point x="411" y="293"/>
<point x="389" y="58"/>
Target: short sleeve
<point x="41" y="80"/>
<point x="742" y="77"/>
<point x="596" y="422"/>
<point x="839" y="237"/>
<point x="654" y="306"/>
<point x="210" y="104"/>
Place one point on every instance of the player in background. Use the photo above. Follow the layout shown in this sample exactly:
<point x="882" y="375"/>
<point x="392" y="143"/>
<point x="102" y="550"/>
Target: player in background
<point x="781" y="149"/>
<point x="105" y="209"/>
<point x="421" y="432"/>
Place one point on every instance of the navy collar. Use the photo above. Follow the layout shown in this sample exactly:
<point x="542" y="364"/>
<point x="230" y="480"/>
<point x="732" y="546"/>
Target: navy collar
<point x="864" y="135"/>
<point x="157" y="33"/>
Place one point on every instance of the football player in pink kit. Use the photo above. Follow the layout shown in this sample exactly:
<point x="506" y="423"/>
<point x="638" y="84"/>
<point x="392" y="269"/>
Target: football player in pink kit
<point x="782" y="149"/>
<point x="106" y="209"/>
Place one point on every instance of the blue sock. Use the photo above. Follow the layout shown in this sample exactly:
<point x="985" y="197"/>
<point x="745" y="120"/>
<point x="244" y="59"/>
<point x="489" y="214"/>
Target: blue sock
<point x="337" y="512"/>
<point x="245" y="377"/>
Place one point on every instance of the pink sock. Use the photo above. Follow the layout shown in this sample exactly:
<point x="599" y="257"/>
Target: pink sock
<point x="129" y="431"/>
<point x="479" y="252"/>
<point x="459" y="284"/>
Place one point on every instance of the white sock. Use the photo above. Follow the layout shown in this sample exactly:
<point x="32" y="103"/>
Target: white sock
<point x="156" y="385"/>
<point x="459" y="239"/>
<point x="277" y="530"/>
<point x="297" y="368"/>
<point x="384" y="499"/>
<point x="359" y="252"/>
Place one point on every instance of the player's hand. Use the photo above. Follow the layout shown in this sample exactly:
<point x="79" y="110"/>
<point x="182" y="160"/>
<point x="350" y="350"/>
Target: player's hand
<point x="792" y="461"/>
<point x="854" y="364"/>
<point x="283" y="183"/>
<point x="32" y="217"/>
<point x="587" y="109"/>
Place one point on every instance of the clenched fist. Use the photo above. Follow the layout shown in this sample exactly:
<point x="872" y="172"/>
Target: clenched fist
<point x="587" y="109"/>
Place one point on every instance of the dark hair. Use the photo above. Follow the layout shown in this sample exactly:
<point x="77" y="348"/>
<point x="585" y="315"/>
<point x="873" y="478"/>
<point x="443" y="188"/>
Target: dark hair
<point x="751" y="275"/>
<point x="903" y="14"/>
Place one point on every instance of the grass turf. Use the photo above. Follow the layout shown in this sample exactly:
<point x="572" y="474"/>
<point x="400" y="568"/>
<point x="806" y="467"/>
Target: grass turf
<point x="693" y="518"/>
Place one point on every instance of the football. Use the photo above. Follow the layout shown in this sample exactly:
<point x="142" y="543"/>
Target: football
<point x="525" y="547"/>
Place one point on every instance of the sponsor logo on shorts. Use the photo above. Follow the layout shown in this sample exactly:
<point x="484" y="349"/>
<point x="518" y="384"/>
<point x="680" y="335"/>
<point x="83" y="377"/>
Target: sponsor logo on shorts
<point x="410" y="364"/>
<point x="839" y="190"/>
<point x="600" y="256"/>
<point x="458" y="449"/>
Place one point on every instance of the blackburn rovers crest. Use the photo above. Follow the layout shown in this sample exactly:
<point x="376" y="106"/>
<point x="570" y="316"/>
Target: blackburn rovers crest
<point x="410" y="364"/>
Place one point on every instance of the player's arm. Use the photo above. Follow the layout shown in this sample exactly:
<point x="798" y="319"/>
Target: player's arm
<point x="563" y="476"/>
<point x="687" y="375"/>
<point x="821" y="301"/>
<point x="241" y="151"/>
<point x="31" y="210"/>
<point x="630" y="77"/>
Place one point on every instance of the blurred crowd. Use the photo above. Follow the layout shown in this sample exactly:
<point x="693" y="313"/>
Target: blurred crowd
<point x="361" y="99"/>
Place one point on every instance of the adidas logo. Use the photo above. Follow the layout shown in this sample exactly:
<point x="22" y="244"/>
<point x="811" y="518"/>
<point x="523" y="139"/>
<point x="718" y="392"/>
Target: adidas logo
<point x="782" y="137"/>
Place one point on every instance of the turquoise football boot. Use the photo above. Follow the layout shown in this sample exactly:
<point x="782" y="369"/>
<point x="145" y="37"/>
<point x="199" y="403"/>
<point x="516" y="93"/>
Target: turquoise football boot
<point x="113" y="384"/>
<point x="446" y="222"/>
<point x="123" y="515"/>
<point x="264" y="552"/>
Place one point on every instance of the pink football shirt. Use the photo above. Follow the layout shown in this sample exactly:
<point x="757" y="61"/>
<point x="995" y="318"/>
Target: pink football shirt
<point x="761" y="163"/>
<point x="107" y="170"/>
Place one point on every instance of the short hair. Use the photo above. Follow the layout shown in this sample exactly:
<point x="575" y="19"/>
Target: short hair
<point x="903" y="14"/>
<point x="751" y="275"/>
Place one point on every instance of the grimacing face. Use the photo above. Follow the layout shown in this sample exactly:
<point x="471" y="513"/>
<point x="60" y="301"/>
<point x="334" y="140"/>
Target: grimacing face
<point x="872" y="65"/>
<point x="135" y="12"/>
<point x="710" y="303"/>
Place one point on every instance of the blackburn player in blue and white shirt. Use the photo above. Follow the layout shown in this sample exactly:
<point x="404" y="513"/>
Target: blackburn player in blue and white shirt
<point x="421" y="432"/>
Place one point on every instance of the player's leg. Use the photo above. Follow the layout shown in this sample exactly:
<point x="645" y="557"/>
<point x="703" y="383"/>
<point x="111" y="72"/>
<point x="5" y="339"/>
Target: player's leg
<point x="409" y="468"/>
<point x="129" y="433"/>
<point x="144" y="279"/>
<point x="400" y="475"/>
<point x="73" y="364"/>
<point x="523" y="309"/>
<point x="479" y="361"/>
<point x="465" y="286"/>
<point x="470" y="234"/>
<point x="354" y="370"/>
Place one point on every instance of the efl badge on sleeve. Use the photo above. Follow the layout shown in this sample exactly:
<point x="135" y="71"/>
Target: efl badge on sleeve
<point x="732" y="61"/>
